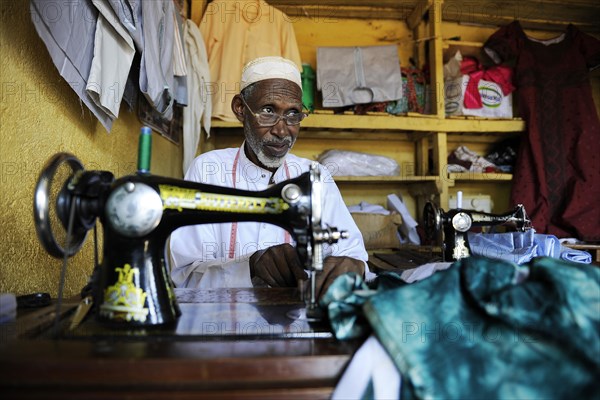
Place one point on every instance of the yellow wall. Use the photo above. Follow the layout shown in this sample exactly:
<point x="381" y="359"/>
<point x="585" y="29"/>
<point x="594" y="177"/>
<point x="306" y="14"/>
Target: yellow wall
<point x="41" y="115"/>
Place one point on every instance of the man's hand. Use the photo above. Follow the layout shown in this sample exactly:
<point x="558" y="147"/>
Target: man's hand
<point x="277" y="266"/>
<point x="334" y="267"/>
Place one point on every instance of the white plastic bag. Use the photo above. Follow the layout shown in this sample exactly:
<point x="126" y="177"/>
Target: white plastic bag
<point x="495" y="104"/>
<point x="352" y="163"/>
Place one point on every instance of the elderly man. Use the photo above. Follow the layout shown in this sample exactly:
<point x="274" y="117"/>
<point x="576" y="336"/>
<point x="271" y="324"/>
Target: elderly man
<point x="238" y="254"/>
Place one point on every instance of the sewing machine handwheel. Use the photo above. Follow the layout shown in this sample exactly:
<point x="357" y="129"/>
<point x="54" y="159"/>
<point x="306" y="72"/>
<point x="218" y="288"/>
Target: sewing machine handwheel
<point x="432" y="220"/>
<point x="51" y="203"/>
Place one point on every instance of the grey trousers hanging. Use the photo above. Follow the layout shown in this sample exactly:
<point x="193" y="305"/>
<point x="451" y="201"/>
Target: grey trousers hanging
<point x="358" y="75"/>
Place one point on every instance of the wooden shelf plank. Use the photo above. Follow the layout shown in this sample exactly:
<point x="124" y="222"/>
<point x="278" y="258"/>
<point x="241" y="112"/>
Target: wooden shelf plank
<point x="479" y="176"/>
<point x="459" y="43"/>
<point x="467" y="49"/>
<point x="383" y="179"/>
<point x="405" y="123"/>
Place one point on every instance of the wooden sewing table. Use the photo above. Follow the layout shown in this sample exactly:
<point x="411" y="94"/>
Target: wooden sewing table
<point x="228" y="343"/>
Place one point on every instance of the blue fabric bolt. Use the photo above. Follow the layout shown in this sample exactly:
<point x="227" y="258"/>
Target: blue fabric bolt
<point x="521" y="247"/>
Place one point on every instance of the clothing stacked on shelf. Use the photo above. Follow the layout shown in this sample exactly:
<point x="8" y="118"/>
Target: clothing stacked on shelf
<point x="463" y="159"/>
<point x="369" y="79"/>
<point x="414" y="98"/>
<point x="348" y="76"/>
<point x="501" y="159"/>
<point x="504" y="154"/>
<point x="414" y="92"/>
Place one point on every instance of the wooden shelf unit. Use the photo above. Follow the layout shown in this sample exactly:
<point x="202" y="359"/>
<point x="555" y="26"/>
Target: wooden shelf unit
<point x="423" y="123"/>
<point x="427" y="137"/>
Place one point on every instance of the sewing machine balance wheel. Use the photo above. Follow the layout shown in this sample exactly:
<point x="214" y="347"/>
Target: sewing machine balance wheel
<point x="432" y="220"/>
<point x="52" y="202"/>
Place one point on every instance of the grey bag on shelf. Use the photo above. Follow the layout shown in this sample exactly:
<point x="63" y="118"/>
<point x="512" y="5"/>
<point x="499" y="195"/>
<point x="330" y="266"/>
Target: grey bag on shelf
<point x="358" y="75"/>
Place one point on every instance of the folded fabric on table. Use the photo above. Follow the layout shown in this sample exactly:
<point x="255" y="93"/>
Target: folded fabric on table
<point x="575" y="255"/>
<point x="520" y="247"/>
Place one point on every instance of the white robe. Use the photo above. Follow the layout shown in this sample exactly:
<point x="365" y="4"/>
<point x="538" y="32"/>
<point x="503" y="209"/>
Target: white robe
<point x="200" y="252"/>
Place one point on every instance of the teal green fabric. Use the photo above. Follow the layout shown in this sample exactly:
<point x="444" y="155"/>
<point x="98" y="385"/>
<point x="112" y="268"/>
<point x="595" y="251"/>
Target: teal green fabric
<point x="484" y="329"/>
<point x="344" y="300"/>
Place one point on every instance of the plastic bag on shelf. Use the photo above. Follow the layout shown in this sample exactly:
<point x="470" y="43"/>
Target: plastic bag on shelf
<point x="471" y="89"/>
<point x="353" y="163"/>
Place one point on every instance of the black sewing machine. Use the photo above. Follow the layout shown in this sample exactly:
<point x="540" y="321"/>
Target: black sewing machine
<point x="138" y="213"/>
<point x="452" y="226"/>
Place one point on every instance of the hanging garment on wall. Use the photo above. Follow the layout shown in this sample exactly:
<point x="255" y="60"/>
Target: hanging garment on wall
<point x="129" y="13"/>
<point x="358" y="75"/>
<point x="197" y="113"/>
<point x="153" y="27"/>
<point x="156" y="70"/>
<point x="93" y="54"/>
<point x="180" y="70"/>
<point x="113" y="56"/>
<point x="236" y="32"/>
<point x="68" y="31"/>
<point x="557" y="175"/>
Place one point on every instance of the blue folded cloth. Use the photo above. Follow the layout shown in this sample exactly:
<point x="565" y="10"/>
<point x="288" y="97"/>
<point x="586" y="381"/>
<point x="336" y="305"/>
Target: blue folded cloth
<point x="575" y="255"/>
<point x="521" y="247"/>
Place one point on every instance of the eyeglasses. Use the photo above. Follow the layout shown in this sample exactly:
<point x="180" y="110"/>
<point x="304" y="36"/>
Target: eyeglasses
<point x="271" y="119"/>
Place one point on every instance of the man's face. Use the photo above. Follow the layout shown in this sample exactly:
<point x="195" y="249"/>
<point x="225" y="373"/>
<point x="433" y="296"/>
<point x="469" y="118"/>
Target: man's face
<point x="270" y="144"/>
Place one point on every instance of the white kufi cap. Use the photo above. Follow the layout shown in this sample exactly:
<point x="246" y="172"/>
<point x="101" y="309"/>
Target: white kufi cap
<point x="270" y="68"/>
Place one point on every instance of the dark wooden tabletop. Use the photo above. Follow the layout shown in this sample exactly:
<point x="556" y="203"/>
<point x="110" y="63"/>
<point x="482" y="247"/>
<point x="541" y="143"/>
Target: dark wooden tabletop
<point x="228" y="343"/>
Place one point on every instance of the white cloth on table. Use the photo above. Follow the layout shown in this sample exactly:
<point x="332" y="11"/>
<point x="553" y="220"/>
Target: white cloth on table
<point x="370" y="365"/>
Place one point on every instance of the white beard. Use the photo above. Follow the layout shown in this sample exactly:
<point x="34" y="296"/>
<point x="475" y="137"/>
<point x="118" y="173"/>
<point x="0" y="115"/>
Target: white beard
<point x="256" y="145"/>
